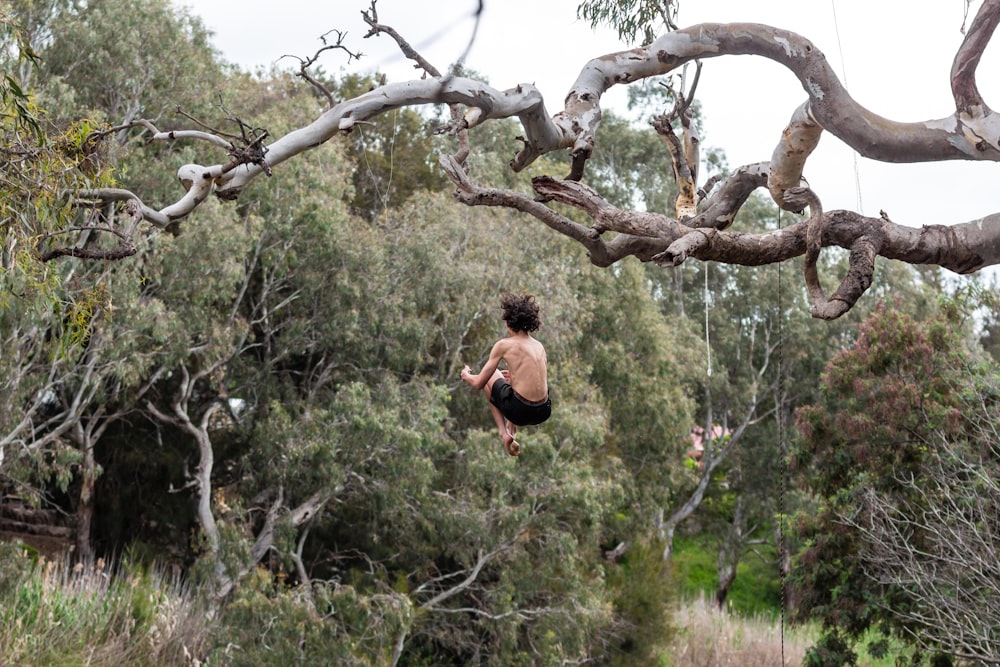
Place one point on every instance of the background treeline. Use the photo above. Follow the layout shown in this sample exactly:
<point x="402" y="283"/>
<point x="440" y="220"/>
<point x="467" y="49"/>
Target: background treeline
<point x="254" y="431"/>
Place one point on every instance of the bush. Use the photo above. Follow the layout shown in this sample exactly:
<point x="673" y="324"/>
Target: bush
<point x="51" y="614"/>
<point x="269" y="623"/>
<point x="643" y="599"/>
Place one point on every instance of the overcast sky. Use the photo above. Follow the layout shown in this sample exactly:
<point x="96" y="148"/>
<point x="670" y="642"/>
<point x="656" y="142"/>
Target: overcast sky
<point x="894" y="56"/>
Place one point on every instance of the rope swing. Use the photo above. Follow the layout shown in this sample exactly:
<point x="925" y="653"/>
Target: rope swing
<point x="708" y="343"/>
<point x="783" y="448"/>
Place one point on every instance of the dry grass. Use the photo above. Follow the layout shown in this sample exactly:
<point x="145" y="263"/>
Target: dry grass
<point x="707" y="637"/>
<point x="52" y="614"/>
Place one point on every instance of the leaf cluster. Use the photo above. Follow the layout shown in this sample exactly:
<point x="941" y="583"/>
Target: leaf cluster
<point x="894" y="408"/>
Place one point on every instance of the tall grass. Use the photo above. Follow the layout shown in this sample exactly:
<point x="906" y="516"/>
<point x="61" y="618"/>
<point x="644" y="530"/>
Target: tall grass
<point x="52" y="614"/>
<point x="707" y="637"/>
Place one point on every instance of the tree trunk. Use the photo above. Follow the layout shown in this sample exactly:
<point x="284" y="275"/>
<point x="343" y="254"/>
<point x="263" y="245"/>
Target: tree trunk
<point x="202" y="482"/>
<point x="788" y="601"/>
<point x="83" y="440"/>
<point x="85" y="510"/>
<point x="730" y="551"/>
<point x="669" y="527"/>
<point x="203" y="488"/>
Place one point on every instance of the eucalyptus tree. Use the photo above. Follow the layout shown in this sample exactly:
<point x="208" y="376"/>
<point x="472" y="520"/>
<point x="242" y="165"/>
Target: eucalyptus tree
<point x="632" y="18"/>
<point x="99" y="50"/>
<point x="756" y="359"/>
<point x="358" y="328"/>
<point x="471" y="546"/>
<point x="74" y="367"/>
<point x="631" y="169"/>
<point x="311" y="314"/>
<point x="967" y="134"/>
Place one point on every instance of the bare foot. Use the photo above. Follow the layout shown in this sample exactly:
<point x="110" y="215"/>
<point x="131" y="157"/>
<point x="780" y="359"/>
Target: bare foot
<point x="512" y="446"/>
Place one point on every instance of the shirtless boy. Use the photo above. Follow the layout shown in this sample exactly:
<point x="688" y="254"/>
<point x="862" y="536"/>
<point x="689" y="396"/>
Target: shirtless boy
<point x="518" y="396"/>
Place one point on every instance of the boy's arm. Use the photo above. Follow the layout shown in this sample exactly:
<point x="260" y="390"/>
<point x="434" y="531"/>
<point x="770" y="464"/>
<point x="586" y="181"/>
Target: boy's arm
<point x="479" y="380"/>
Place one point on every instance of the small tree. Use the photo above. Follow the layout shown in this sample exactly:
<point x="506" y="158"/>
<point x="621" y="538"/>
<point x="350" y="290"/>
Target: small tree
<point x="901" y="453"/>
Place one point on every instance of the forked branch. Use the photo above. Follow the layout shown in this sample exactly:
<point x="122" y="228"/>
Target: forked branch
<point x="972" y="132"/>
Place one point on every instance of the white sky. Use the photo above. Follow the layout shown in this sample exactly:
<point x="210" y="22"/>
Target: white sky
<point x="894" y="56"/>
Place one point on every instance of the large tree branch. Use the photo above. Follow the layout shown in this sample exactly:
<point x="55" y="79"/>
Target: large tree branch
<point x="972" y="132"/>
<point x="968" y="134"/>
<point x="963" y="68"/>
<point x="963" y="248"/>
<point x="957" y="137"/>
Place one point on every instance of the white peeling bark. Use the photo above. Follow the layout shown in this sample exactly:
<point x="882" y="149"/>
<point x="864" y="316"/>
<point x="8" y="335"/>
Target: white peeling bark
<point x="543" y="134"/>
<point x="788" y="161"/>
<point x="972" y="132"/>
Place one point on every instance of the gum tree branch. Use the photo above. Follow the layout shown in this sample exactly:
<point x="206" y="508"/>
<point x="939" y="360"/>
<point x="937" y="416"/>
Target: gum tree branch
<point x="971" y="132"/>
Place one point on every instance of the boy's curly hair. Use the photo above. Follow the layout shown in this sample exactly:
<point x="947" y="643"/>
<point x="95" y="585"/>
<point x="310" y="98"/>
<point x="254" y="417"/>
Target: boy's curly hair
<point x="520" y="312"/>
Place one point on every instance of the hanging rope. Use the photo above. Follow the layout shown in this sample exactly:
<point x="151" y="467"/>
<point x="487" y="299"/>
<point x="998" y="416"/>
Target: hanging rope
<point x="708" y="344"/>
<point x="383" y="198"/>
<point x="779" y="413"/>
<point x="843" y="73"/>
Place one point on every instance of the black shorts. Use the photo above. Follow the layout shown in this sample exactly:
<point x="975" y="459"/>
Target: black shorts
<point x="514" y="409"/>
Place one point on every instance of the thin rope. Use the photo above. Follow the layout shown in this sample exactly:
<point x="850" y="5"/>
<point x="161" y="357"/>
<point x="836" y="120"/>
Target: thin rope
<point x="843" y="72"/>
<point x="368" y="166"/>
<point x="784" y="456"/>
<point x="392" y="158"/>
<point x="708" y="345"/>
<point x="383" y="198"/>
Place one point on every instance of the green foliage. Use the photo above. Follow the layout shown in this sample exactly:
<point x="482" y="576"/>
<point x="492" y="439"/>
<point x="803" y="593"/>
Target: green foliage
<point x="17" y="108"/>
<point x="37" y="168"/>
<point x="394" y="157"/>
<point x="756" y="591"/>
<point x="50" y="615"/>
<point x="342" y="334"/>
<point x="99" y="53"/>
<point x="631" y="167"/>
<point x="636" y="357"/>
<point x="631" y="18"/>
<point x="268" y="623"/>
<point x="644" y="600"/>
<point x="892" y="406"/>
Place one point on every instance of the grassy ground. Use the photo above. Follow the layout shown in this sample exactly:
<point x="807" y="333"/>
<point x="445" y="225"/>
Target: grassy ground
<point x="53" y="615"/>
<point x="756" y="591"/>
<point x="709" y="638"/>
<point x="749" y="633"/>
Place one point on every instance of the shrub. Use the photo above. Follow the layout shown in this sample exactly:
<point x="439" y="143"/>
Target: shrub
<point x="52" y="614"/>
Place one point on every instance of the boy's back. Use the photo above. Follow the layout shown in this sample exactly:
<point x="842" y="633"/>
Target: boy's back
<point x="526" y="363"/>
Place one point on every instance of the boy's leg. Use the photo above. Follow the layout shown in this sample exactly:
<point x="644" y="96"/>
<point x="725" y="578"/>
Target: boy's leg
<point x="506" y="429"/>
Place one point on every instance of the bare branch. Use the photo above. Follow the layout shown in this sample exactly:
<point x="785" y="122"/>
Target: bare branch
<point x="306" y="63"/>
<point x="371" y="18"/>
<point x="125" y="249"/>
<point x="473" y="573"/>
